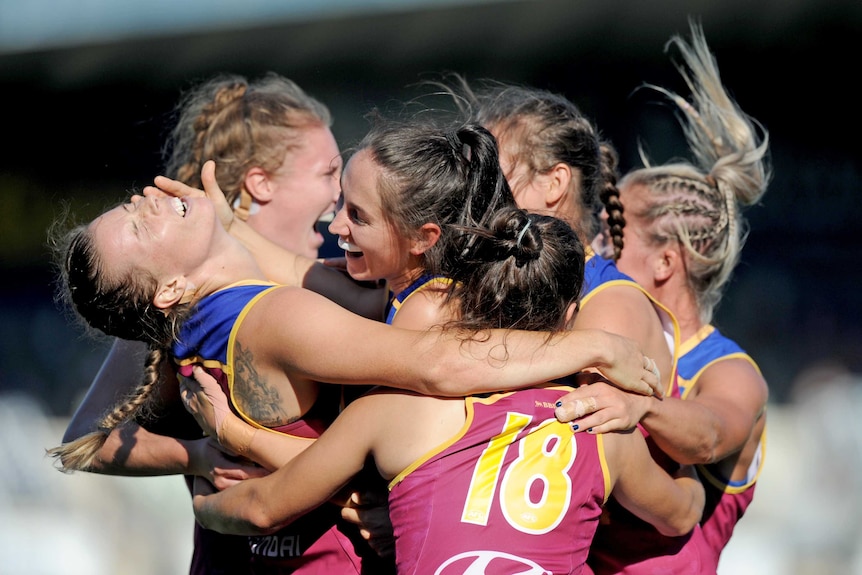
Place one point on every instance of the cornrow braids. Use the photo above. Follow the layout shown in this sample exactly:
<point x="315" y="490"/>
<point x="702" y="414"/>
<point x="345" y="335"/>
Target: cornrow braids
<point x="701" y="204"/>
<point x="698" y="203"/>
<point x="540" y="129"/>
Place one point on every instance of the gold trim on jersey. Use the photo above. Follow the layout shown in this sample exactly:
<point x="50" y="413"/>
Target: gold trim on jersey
<point x="668" y="320"/>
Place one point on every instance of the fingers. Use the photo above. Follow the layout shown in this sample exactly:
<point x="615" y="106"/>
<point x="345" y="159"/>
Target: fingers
<point x="208" y="179"/>
<point x="164" y="185"/>
<point x="351" y="515"/>
<point x="654" y="370"/>
<point x="653" y="377"/>
<point x="571" y="410"/>
<point x="593" y="425"/>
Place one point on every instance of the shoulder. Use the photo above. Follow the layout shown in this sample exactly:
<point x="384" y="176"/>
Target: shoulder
<point x="732" y="375"/>
<point x="424" y="309"/>
<point x="619" y="303"/>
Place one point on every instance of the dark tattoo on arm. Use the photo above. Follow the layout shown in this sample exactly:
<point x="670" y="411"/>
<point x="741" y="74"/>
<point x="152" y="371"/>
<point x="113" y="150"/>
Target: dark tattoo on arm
<point x="259" y="400"/>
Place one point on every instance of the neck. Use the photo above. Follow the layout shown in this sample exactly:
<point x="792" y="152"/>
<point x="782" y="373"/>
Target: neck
<point x="403" y="281"/>
<point x="682" y="304"/>
<point x="227" y="266"/>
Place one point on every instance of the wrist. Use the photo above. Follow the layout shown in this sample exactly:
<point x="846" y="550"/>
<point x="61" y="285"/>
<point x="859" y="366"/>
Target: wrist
<point x="606" y="348"/>
<point x="648" y="407"/>
<point x="236" y="435"/>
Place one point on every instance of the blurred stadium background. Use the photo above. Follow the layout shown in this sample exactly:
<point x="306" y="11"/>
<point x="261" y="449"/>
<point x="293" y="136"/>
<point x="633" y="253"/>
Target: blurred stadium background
<point x="87" y="92"/>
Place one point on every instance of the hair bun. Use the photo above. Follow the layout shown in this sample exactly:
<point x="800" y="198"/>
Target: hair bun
<point x="527" y="243"/>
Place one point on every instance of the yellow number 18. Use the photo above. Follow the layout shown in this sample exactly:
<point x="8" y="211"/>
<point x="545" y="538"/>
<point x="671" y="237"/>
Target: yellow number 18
<point x="536" y="489"/>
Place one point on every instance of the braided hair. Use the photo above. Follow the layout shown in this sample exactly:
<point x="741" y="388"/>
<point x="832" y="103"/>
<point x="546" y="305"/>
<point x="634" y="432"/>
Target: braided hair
<point x="118" y="305"/>
<point x="699" y="203"/>
<point x="240" y="124"/>
<point x="544" y="129"/>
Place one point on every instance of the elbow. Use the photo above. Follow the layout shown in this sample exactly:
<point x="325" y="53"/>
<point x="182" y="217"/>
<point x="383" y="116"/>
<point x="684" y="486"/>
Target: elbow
<point x="680" y="526"/>
<point x="259" y="522"/>
<point x="708" y="450"/>
<point x="684" y="522"/>
<point x="447" y="378"/>
<point x="436" y="379"/>
<point x="703" y="451"/>
<point x="256" y="518"/>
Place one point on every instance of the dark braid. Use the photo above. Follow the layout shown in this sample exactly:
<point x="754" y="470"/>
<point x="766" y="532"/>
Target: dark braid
<point x="610" y="197"/>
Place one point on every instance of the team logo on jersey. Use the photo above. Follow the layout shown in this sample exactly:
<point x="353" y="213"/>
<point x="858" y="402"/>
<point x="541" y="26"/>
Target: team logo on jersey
<point x="489" y="562"/>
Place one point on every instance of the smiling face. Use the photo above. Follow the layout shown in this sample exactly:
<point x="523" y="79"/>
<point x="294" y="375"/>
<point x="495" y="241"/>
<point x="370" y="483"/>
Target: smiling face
<point x="373" y="247"/>
<point x="304" y="189"/>
<point x="157" y="235"/>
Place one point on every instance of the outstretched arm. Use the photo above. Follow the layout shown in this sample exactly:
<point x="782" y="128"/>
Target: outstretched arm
<point x="715" y="420"/>
<point x="432" y="362"/>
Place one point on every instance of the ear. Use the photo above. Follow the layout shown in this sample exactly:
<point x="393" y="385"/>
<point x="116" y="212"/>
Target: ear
<point x="426" y="237"/>
<point x="668" y="261"/>
<point x="558" y="180"/>
<point x="571" y="312"/>
<point x="170" y="293"/>
<point x="258" y="185"/>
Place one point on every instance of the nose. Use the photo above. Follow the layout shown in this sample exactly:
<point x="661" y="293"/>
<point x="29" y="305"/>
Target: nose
<point x="338" y="225"/>
<point x="150" y="204"/>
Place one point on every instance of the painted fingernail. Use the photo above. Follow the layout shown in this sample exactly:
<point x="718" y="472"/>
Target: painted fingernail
<point x="590" y="430"/>
<point x="559" y="404"/>
<point x="575" y="427"/>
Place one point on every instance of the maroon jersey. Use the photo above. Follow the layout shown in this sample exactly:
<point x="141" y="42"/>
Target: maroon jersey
<point x="514" y="492"/>
<point x="726" y="500"/>
<point x="624" y="544"/>
<point x="316" y="543"/>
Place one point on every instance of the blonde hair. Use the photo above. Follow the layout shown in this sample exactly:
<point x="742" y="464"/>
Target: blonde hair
<point x="699" y="203"/>
<point x="240" y="125"/>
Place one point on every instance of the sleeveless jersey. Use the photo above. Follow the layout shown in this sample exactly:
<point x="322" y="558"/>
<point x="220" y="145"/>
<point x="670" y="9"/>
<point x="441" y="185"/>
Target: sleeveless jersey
<point x="315" y="543"/>
<point x="625" y="544"/>
<point x="423" y="282"/>
<point x="726" y="501"/>
<point x="515" y="491"/>
<point x="601" y="273"/>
